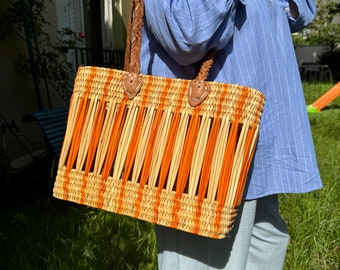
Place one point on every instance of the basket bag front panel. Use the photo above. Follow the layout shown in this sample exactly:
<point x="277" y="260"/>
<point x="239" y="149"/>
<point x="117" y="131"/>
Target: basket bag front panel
<point x="155" y="157"/>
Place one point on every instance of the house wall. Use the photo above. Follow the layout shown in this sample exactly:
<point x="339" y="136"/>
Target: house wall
<point x="17" y="95"/>
<point x="120" y="12"/>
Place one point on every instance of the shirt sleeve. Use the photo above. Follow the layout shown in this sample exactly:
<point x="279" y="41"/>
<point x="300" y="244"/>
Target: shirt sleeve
<point x="306" y="9"/>
<point x="187" y="30"/>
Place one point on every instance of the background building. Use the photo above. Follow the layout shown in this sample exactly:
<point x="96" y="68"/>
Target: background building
<point x="101" y="25"/>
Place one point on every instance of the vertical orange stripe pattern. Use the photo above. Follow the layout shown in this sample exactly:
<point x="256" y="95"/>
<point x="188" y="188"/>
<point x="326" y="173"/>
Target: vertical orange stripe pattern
<point x="170" y="144"/>
<point x="112" y="148"/>
<point x="78" y="129"/>
<point x="95" y="136"/>
<point x="247" y="159"/>
<point x="134" y="143"/>
<point x="208" y="158"/>
<point x="185" y="163"/>
<point x="151" y="145"/>
<point x="228" y="160"/>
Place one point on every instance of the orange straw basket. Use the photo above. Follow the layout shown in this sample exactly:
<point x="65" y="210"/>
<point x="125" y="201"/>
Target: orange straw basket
<point x="155" y="157"/>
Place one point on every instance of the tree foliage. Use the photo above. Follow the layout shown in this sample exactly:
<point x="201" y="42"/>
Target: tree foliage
<point x="50" y="64"/>
<point x="325" y="29"/>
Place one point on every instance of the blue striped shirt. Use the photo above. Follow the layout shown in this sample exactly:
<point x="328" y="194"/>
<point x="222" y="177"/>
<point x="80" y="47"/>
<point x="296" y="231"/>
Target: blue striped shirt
<point x="255" y="49"/>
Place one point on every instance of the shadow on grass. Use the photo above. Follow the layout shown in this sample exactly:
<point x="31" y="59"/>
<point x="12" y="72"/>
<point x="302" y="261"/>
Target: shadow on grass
<point x="40" y="232"/>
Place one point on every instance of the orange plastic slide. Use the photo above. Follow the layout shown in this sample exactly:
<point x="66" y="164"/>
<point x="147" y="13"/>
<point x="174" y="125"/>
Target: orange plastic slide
<point x="325" y="99"/>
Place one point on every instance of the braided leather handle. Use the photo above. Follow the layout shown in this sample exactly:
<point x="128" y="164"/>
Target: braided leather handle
<point x="198" y="89"/>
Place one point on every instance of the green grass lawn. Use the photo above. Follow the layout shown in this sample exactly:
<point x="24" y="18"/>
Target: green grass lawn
<point x="313" y="219"/>
<point x="39" y="232"/>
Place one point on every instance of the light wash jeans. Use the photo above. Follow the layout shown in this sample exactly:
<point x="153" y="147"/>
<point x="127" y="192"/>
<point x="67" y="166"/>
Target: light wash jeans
<point x="258" y="240"/>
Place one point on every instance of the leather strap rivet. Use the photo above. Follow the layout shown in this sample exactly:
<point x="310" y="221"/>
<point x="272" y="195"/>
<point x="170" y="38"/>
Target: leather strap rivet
<point x="197" y="92"/>
<point x="132" y="84"/>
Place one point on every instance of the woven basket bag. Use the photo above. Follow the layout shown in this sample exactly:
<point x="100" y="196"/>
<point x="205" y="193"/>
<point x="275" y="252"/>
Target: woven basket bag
<point x="173" y="152"/>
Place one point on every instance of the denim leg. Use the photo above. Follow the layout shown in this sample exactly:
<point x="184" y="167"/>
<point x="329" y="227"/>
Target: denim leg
<point x="270" y="237"/>
<point x="179" y="250"/>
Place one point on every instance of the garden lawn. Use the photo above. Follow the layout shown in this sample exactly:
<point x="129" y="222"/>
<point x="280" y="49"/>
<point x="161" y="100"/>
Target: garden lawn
<point x="313" y="219"/>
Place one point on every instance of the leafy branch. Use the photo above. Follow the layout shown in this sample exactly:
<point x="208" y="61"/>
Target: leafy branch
<point x="323" y="30"/>
<point x="51" y="66"/>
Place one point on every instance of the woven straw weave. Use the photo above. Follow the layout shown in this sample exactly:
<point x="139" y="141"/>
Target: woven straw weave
<point x="155" y="157"/>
